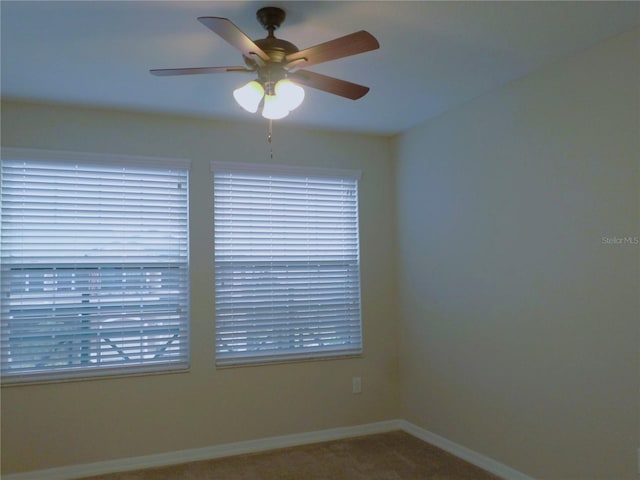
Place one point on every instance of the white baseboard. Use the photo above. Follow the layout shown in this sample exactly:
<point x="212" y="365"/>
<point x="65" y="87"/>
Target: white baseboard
<point x="206" y="453"/>
<point x="471" y="456"/>
<point x="264" y="444"/>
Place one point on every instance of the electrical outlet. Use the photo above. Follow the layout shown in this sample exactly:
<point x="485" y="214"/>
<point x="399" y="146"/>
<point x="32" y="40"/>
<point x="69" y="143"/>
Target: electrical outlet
<point x="356" y="385"/>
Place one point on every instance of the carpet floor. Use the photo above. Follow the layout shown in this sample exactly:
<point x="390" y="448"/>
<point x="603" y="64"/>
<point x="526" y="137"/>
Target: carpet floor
<point x="386" y="456"/>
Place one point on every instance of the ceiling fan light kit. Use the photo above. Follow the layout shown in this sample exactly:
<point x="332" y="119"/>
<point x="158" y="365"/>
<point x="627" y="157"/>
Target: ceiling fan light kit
<point x="277" y="90"/>
<point x="279" y="99"/>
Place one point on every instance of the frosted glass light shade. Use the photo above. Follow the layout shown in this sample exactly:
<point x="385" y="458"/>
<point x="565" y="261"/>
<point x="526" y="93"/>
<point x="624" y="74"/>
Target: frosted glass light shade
<point x="288" y="92"/>
<point x="249" y="96"/>
<point x="274" y="108"/>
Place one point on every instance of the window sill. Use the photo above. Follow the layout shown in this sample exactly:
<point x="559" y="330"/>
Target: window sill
<point x="285" y="361"/>
<point x="24" y="381"/>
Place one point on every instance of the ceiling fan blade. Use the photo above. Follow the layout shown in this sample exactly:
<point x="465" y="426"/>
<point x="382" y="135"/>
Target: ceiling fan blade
<point x="336" y="86"/>
<point x="234" y="36"/>
<point x="352" y="44"/>
<point x="167" y="72"/>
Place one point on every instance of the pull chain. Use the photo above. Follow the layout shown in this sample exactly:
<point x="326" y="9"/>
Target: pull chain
<point x="269" y="136"/>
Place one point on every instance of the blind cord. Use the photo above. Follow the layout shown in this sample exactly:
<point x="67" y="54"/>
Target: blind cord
<point x="269" y="137"/>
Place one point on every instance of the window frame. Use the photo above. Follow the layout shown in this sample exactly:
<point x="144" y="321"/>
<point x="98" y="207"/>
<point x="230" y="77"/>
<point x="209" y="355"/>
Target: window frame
<point x="314" y="173"/>
<point x="179" y="363"/>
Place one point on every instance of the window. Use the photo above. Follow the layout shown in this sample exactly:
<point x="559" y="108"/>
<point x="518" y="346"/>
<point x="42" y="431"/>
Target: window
<point x="286" y="263"/>
<point x="95" y="274"/>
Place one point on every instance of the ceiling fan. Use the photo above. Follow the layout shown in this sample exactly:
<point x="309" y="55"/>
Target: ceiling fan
<point x="278" y="64"/>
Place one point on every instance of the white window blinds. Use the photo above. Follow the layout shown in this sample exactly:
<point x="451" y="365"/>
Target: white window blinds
<point x="95" y="275"/>
<point x="286" y="264"/>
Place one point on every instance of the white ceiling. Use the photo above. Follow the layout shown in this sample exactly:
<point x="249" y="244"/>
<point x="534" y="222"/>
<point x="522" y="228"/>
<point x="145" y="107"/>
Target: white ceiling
<point x="433" y="55"/>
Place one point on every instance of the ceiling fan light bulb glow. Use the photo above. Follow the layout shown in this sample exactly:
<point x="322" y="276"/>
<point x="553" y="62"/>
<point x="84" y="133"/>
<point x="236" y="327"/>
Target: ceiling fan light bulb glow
<point x="274" y="108"/>
<point x="289" y="93"/>
<point x="249" y="96"/>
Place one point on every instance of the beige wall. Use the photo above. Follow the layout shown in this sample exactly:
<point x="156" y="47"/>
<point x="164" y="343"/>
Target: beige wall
<point x="520" y="328"/>
<point x="73" y="423"/>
